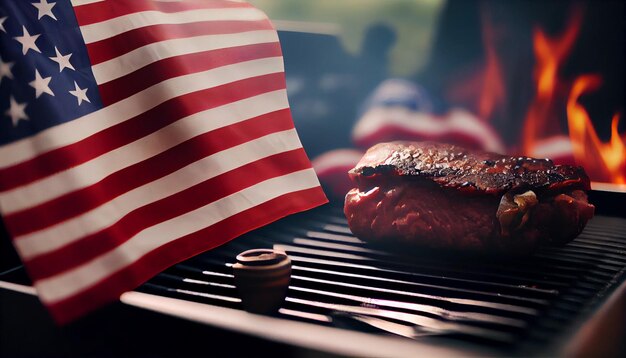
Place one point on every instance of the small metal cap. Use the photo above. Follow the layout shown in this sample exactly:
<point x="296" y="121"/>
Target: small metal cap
<point x="260" y="257"/>
<point x="262" y="277"/>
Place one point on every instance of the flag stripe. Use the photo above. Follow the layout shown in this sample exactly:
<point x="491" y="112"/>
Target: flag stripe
<point x="91" y="246"/>
<point x="102" y="11"/>
<point x="100" y="157"/>
<point x="185" y="141"/>
<point x="114" y="208"/>
<point x="112" y="47"/>
<point x="385" y="123"/>
<point x="84" y="2"/>
<point x="118" y="25"/>
<point x="205" y="119"/>
<point x="128" y="85"/>
<point x="73" y="281"/>
<point x="69" y="205"/>
<point x="161" y="258"/>
<point x="118" y="112"/>
<point x="143" y="56"/>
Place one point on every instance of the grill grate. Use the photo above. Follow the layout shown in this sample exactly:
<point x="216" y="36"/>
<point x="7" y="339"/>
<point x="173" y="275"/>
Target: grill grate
<point x="517" y="305"/>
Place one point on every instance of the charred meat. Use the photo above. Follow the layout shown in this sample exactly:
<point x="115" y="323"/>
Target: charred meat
<point x="444" y="196"/>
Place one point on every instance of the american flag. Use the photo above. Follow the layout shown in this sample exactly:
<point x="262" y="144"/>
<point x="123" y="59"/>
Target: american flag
<point x="136" y="134"/>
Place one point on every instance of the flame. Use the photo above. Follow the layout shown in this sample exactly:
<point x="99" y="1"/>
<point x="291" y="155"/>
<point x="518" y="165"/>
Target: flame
<point x="550" y="54"/>
<point x="493" y="91"/>
<point x="604" y="161"/>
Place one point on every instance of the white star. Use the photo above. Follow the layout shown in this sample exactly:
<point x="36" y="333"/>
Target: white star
<point x="5" y="70"/>
<point x="44" y="9"/>
<point x="41" y="85"/>
<point x="28" y="41"/>
<point x="16" y="111"/>
<point x="2" y="20"/>
<point x="62" y="60"/>
<point x="80" y="93"/>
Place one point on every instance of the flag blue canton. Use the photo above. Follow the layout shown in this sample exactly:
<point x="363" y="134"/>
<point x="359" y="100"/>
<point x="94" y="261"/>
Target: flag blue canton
<point x="45" y="73"/>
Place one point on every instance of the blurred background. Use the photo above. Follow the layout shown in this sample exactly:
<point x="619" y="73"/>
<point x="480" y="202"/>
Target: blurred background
<point x="533" y="78"/>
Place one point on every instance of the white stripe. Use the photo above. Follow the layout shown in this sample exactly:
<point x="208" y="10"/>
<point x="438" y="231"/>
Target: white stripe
<point x="138" y="103"/>
<point x="145" y="55"/>
<point x="69" y="231"/>
<point x="97" y="169"/>
<point x="425" y="124"/>
<point x="72" y="282"/>
<point x="337" y="158"/>
<point x="84" y="2"/>
<point x="553" y="147"/>
<point x="115" y="26"/>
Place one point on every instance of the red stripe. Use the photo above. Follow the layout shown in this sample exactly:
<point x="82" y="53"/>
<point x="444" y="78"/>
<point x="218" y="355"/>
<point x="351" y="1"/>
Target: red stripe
<point x="108" y="290"/>
<point x="97" y="244"/>
<point x="162" y="70"/>
<point x="106" y="10"/>
<point x="80" y="201"/>
<point x="118" y="45"/>
<point x="123" y="133"/>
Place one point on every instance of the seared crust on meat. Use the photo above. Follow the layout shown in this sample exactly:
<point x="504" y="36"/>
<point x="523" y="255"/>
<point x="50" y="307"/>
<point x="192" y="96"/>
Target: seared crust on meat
<point x="470" y="171"/>
<point x="442" y="196"/>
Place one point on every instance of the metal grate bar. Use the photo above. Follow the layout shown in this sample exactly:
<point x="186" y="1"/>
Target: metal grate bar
<point x="419" y="322"/>
<point x="334" y="275"/>
<point x="429" y="278"/>
<point x="444" y="314"/>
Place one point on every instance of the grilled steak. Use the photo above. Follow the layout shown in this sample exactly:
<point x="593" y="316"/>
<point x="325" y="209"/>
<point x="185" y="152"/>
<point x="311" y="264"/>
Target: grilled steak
<point x="444" y="196"/>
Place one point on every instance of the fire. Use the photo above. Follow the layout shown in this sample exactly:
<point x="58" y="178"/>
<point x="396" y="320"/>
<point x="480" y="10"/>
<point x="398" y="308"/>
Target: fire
<point x="541" y="136"/>
<point x="493" y="89"/>
<point x="605" y="162"/>
<point x="550" y="54"/>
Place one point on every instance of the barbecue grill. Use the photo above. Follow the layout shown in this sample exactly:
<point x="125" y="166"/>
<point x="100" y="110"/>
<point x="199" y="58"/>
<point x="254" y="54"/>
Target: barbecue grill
<point x="349" y="298"/>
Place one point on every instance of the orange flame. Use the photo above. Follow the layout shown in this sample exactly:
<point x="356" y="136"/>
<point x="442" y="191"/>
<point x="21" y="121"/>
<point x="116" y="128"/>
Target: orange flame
<point x="604" y="161"/>
<point x="493" y="89"/>
<point x="550" y="54"/>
